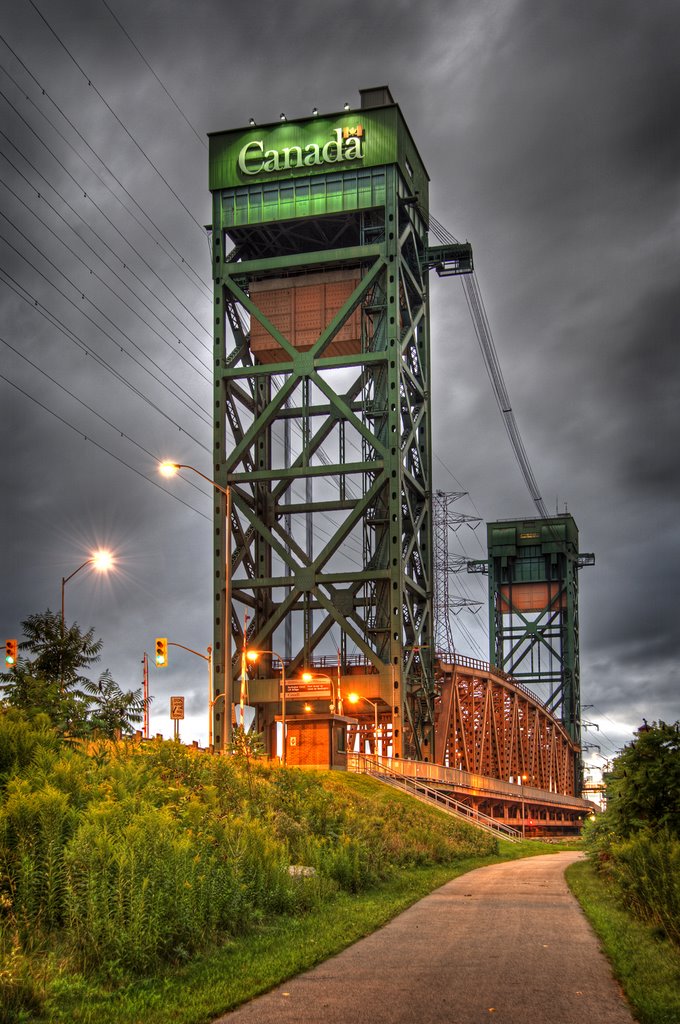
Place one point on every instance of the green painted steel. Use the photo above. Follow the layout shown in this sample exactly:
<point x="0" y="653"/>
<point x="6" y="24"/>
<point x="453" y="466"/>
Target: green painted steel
<point x="310" y="148"/>
<point x="533" y="569"/>
<point x="326" y="446"/>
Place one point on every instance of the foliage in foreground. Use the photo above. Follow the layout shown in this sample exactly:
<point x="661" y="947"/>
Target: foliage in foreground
<point x="51" y="682"/>
<point x="126" y="857"/>
<point x="636" y="842"/>
<point x="646" y="964"/>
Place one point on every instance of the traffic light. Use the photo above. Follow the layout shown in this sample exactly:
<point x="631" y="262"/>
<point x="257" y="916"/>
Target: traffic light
<point x="161" y="651"/>
<point x="10" y="653"/>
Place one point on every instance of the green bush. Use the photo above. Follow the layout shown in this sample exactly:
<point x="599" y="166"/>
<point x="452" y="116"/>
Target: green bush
<point x="636" y="842"/>
<point x="646" y="869"/>
<point x="132" y="856"/>
<point x="144" y="890"/>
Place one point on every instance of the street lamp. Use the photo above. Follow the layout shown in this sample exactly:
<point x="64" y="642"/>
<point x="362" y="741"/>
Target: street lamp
<point x="253" y="656"/>
<point x="102" y="561"/>
<point x="310" y="677"/>
<point x="169" y="469"/>
<point x="524" y="779"/>
<point x="354" y="698"/>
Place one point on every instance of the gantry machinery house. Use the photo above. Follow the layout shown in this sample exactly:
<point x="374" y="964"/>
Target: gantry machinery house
<point x="322" y="433"/>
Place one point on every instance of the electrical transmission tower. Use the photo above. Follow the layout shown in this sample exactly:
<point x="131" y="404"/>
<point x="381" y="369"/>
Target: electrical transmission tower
<point x="445" y="519"/>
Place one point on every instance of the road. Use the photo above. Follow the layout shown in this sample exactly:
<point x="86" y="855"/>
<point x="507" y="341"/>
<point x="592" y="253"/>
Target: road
<point x="506" y="943"/>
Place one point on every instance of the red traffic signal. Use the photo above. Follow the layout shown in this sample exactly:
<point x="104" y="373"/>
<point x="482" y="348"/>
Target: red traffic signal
<point x="11" y="655"/>
<point x="161" y="652"/>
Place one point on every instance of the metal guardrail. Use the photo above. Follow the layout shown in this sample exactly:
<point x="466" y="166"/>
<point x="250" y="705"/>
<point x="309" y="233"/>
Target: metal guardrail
<point x="428" y="771"/>
<point x="375" y="766"/>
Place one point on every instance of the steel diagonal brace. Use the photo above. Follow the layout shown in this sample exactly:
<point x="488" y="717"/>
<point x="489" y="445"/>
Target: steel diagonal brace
<point x="347" y="413"/>
<point x="347" y="308"/>
<point x="349" y="523"/>
<point x="255" y="311"/>
<point x="317" y="440"/>
<point x="347" y="627"/>
<point x="265" y="418"/>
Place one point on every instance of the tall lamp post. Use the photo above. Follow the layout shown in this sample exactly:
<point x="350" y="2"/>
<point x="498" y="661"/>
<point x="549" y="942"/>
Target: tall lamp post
<point x="102" y="561"/>
<point x="169" y="469"/>
<point x="354" y="698"/>
<point x="524" y="779"/>
<point x="253" y="656"/>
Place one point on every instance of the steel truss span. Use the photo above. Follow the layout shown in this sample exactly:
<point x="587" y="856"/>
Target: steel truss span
<point x="489" y="725"/>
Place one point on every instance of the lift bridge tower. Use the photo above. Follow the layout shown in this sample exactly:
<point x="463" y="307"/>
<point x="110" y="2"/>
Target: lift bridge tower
<point x="533" y="568"/>
<point x="322" y="432"/>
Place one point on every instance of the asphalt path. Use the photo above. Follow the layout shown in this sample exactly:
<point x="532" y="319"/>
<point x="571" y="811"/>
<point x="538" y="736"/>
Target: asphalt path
<point x="506" y="943"/>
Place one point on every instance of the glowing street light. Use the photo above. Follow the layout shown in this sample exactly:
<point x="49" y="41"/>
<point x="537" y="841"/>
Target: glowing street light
<point x="313" y="677"/>
<point x="253" y="656"/>
<point x="169" y="469"/>
<point x="102" y="561"/>
<point x="354" y="698"/>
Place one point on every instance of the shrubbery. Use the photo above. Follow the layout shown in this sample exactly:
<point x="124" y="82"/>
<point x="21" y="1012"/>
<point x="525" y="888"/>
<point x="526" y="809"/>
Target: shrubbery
<point x="128" y="856"/>
<point x="636" y="842"/>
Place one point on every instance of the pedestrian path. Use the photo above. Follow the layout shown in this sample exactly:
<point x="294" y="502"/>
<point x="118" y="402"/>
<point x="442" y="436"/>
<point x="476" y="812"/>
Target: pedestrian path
<point x="506" y="943"/>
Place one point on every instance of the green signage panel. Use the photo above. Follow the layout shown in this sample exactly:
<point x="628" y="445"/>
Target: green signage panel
<point x="359" y="138"/>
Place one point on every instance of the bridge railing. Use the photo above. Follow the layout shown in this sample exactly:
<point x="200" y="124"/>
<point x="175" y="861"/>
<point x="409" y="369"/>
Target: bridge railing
<point x="426" y="771"/>
<point x="417" y="787"/>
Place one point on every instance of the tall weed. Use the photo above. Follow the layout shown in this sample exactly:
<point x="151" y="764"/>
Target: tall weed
<point x="145" y="891"/>
<point x="646" y="868"/>
<point x="35" y="827"/>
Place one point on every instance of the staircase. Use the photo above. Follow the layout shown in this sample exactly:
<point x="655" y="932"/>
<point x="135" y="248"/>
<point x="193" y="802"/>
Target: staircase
<point x="375" y="767"/>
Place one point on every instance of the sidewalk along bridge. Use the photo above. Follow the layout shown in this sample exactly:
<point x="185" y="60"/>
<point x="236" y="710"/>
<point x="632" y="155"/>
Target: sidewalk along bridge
<point x="510" y="811"/>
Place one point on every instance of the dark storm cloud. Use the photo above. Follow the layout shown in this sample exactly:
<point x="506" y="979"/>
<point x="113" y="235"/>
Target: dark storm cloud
<point x="549" y="131"/>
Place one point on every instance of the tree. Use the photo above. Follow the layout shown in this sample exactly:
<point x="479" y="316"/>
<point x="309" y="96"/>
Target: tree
<point x="114" y="711"/>
<point x="61" y="651"/>
<point x="53" y="682"/>
<point x="643" y="788"/>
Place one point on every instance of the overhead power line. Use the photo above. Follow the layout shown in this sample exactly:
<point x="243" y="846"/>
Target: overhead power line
<point x="125" y="266"/>
<point x="184" y="265"/>
<point x="98" y="277"/>
<point x="482" y="328"/>
<point x="71" y="336"/>
<point x="159" y="380"/>
<point x="163" y="87"/>
<point x="96" y="205"/>
<point x="101" y="447"/>
<point x="116" y="117"/>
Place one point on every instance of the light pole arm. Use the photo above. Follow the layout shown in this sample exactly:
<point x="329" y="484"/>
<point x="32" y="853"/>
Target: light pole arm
<point x="208" y="480"/>
<point x="64" y="581"/>
<point x="206" y="657"/>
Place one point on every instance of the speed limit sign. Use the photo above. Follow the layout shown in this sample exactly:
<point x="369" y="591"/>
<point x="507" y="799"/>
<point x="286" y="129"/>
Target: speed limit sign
<point x="177" y="709"/>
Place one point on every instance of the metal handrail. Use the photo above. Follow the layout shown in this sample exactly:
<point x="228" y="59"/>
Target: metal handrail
<point x="373" y="766"/>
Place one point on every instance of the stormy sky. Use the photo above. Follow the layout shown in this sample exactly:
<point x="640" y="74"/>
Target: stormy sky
<point x="549" y="131"/>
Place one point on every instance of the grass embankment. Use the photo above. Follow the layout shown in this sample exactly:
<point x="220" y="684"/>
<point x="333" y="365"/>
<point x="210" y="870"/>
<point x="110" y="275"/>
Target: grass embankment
<point x="153" y="884"/>
<point x="645" y="962"/>
<point x="214" y="983"/>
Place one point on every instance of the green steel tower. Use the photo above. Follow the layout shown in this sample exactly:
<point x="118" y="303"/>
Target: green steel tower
<point x="533" y="610"/>
<point x="322" y="433"/>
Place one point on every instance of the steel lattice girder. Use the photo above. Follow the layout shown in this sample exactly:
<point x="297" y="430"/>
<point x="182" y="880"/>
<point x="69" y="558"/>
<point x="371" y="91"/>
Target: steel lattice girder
<point x="487" y="724"/>
<point x="376" y="401"/>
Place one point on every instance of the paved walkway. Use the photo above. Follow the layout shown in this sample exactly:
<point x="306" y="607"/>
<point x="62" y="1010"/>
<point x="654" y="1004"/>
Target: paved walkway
<point x="506" y="943"/>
